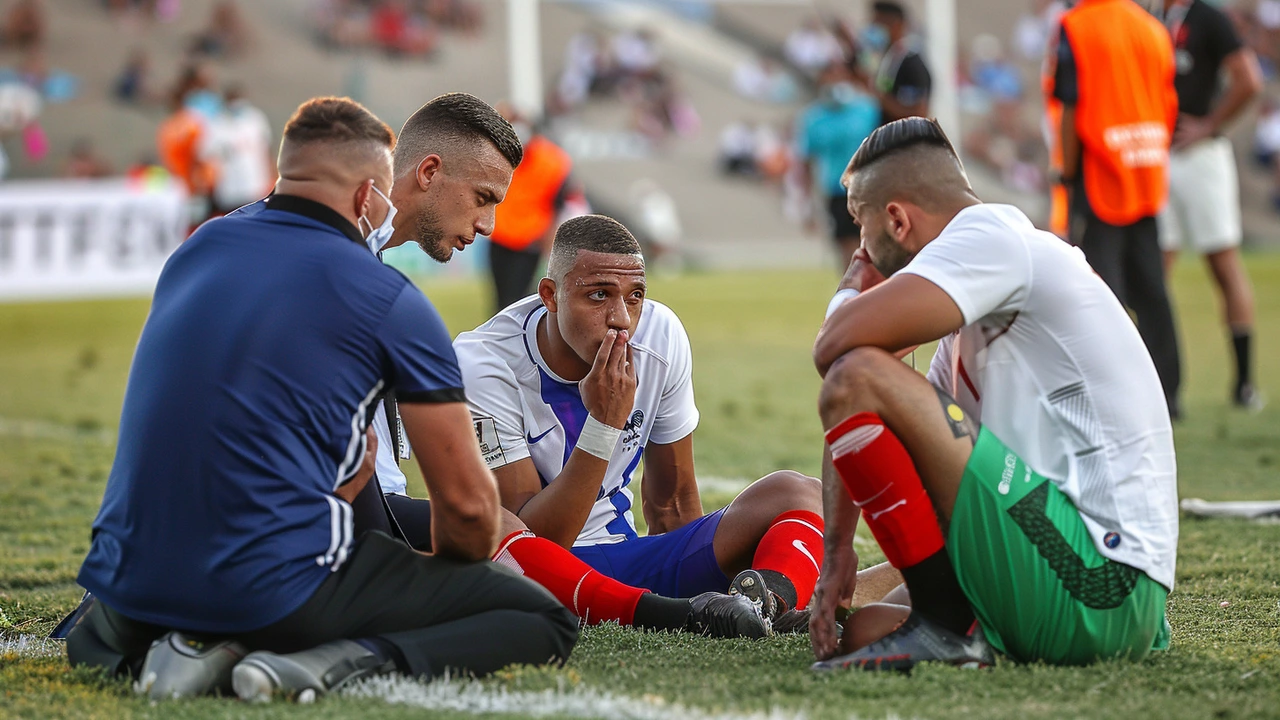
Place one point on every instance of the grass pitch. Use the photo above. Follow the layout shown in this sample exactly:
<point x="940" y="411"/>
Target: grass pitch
<point x="63" y="368"/>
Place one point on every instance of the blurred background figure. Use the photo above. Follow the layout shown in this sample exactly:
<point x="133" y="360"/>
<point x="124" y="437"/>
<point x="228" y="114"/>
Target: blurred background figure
<point x="180" y="138"/>
<point x="541" y="188"/>
<point x="812" y="47"/>
<point x="25" y="26"/>
<point x="828" y="133"/>
<point x="1266" y="146"/>
<point x="226" y="35"/>
<point x="657" y="224"/>
<point x="1203" y="213"/>
<point x="1114" y="76"/>
<point x="240" y="144"/>
<point x="133" y="84"/>
<point x="84" y="162"/>
<point x="903" y="82"/>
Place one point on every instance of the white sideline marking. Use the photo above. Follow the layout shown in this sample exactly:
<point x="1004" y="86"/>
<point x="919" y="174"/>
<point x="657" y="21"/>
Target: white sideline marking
<point x="43" y="430"/>
<point x="580" y="702"/>
<point x="731" y="486"/>
<point x="28" y="646"/>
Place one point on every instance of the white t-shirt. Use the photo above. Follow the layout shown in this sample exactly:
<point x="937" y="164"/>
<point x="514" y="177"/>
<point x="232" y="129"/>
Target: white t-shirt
<point x="1050" y="362"/>
<point x="521" y="409"/>
<point x="390" y="478"/>
<point x="240" y="141"/>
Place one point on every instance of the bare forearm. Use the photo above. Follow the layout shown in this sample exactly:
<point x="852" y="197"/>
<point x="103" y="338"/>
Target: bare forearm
<point x="470" y="538"/>
<point x="675" y="513"/>
<point x="560" y="510"/>
<point x="1070" y="144"/>
<point x="839" y="514"/>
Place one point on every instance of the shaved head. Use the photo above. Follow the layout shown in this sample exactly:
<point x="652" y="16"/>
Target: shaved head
<point x="452" y="126"/>
<point x="908" y="160"/>
<point x="335" y="141"/>
<point x="905" y="183"/>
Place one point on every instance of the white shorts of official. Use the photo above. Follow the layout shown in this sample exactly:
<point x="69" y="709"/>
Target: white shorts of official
<point x="1203" y="212"/>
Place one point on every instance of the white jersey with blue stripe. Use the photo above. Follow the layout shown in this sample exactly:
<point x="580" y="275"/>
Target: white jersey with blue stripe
<point x="521" y="409"/>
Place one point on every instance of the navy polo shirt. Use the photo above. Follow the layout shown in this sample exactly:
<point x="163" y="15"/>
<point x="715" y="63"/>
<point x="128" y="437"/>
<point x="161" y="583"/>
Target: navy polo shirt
<point x="272" y="335"/>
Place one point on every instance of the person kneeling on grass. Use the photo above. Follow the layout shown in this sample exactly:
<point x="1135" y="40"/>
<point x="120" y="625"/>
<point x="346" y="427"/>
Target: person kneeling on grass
<point x="226" y="527"/>
<point x="1049" y="531"/>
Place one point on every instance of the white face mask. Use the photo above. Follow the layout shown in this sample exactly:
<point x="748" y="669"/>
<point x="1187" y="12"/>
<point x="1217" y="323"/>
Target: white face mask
<point x="379" y="237"/>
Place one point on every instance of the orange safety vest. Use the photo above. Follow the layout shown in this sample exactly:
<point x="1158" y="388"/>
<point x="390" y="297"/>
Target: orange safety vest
<point x="526" y="214"/>
<point x="1126" y="109"/>
<point x="1059" y="212"/>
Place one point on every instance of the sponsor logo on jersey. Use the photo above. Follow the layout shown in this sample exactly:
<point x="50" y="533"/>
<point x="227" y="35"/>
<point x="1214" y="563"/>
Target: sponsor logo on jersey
<point x="631" y="431"/>
<point x="490" y="446"/>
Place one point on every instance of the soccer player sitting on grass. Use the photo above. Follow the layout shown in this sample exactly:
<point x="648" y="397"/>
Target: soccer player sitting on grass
<point x="571" y="388"/>
<point x="1026" y="489"/>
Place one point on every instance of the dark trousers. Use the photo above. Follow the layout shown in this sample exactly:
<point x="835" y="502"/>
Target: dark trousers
<point x="513" y="272"/>
<point x="1129" y="261"/>
<point x="440" y="615"/>
<point x="400" y="516"/>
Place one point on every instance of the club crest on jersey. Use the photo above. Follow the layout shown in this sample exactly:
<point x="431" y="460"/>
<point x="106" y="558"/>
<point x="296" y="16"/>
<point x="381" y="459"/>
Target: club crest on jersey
<point x="631" y="431"/>
<point x="1111" y="540"/>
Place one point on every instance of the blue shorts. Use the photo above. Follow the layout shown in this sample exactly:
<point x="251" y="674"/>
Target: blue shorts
<point x="678" y="564"/>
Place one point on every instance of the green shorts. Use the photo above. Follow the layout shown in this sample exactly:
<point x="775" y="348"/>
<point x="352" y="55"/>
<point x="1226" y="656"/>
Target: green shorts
<point x="1037" y="583"/>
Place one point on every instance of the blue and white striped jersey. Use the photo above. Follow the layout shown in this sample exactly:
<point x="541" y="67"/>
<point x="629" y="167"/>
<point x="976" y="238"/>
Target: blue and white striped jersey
<point x="521" y="409"/>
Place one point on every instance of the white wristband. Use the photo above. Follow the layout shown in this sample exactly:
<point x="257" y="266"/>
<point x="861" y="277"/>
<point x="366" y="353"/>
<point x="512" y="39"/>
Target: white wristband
<point x="840" y="298"/>
<point x="598" y="439"/>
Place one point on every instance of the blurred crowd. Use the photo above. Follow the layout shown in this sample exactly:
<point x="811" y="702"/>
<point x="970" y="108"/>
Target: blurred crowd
<point x="627" y="67"/>
<point x="999" y="94"/>
<point x="398" y="28"/>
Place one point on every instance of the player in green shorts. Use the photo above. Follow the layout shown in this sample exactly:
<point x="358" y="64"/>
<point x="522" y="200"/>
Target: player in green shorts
<point x="1026" y="488"/>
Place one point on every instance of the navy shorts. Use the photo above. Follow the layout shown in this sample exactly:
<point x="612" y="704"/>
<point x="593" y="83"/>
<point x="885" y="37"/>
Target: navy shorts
<point x="678" y="564"/>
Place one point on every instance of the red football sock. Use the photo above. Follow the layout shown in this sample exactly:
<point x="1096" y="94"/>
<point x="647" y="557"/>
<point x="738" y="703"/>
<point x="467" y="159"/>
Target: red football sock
<point x="591" y="596"/>
<point x="792" y="547"/>
<point x="882" y="480"/>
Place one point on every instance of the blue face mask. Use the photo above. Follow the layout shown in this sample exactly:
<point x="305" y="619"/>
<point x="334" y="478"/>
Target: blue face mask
<point x="875" y="37"/>
<point x="205" y="102"/>
<point x="379" y="237"/>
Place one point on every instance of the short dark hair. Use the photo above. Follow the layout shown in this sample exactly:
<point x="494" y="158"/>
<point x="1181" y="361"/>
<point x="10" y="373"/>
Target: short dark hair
<point x="452" y="117"/>
<point x="892" y="9"/>
<point x="336" y="120"/>
<point x="898" y="136"/>
<point x="594" y="233"/>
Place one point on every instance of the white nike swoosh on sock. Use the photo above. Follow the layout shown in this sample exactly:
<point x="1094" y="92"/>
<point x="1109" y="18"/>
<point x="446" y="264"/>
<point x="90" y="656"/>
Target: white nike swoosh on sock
<point x="799" y="545"/>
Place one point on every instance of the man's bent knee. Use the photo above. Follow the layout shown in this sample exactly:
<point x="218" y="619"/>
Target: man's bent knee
<point x="853" y="378"/>
<point x="790" y="490"/>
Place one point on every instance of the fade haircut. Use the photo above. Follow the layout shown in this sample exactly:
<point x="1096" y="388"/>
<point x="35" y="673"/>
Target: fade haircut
<point x="594" y="233"/>
<point x="336" y="120"/>
<point x="450" y="122"/>
<point x="909" y="159"/>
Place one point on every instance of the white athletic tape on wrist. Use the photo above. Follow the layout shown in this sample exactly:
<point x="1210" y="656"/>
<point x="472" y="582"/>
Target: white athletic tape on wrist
<point x="841" y="297"/>
<point x="598" y="439"/>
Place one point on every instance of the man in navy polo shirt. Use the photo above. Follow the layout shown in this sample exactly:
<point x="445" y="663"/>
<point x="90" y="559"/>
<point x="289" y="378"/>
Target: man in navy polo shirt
<point x="226" y="525"/>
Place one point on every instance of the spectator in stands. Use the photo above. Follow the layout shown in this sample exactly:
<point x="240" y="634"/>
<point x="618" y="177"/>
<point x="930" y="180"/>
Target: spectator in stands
<point x="84" y="162"/>
<point x="635" y="53"/>
<point x="25" y="25"/>
<point x="763" y="78"/>
<point x="239" y="143"/>
<point x="402" y="33"/>
<point x="828" y="133"/>
<point x="226" y="35"/>
<point x="132" y="84"/>
<point x="738" y="149"/>
<point x="903" y="82"/>
<point x="464" y="15"/>
<point x="811" y="47"/>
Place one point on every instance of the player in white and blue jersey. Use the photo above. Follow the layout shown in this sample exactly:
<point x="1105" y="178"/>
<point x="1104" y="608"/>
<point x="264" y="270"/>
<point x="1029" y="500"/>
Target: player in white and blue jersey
<point x="570" y="389"/>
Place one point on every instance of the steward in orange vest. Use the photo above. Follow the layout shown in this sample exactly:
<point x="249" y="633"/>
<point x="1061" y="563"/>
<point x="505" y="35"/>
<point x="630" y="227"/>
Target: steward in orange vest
<point x="1113" y="75"/>
<point x="526" y="218"/>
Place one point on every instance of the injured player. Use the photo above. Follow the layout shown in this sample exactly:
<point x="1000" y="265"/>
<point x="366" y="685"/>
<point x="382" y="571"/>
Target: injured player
<point x="1049" y="531"/>
<point x="571" y="388"/>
